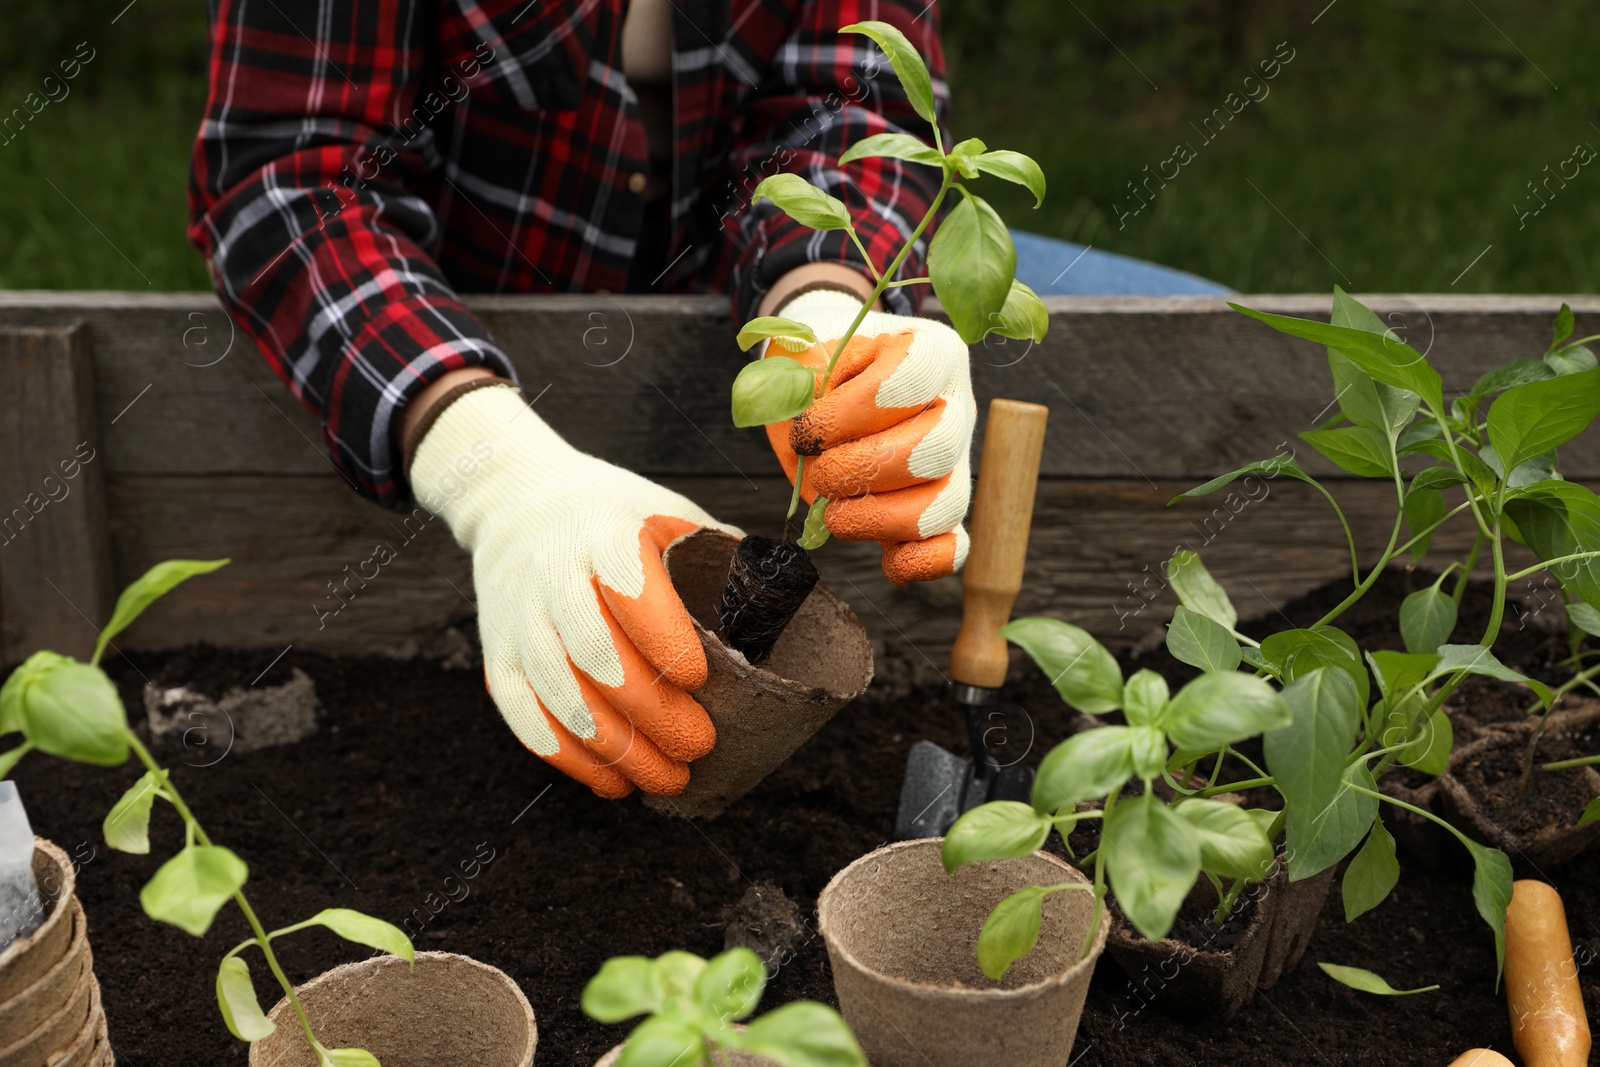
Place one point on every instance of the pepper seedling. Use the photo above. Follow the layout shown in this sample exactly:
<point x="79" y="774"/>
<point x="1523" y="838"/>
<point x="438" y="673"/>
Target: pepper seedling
<point x="690" y="1004"/>
<point x="69" y="709"/>
<point x="971" y="260"/>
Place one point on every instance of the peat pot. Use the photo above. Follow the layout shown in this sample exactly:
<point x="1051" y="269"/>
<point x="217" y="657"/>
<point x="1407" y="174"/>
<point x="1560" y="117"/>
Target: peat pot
<point x="449" y="1009"/>
<point x="902" y="940"/>
<point x="762" y="713"/>
<point x="1260" y="942"/>
<point x="50" y="1011"/>
<point x="1478" y="794"/>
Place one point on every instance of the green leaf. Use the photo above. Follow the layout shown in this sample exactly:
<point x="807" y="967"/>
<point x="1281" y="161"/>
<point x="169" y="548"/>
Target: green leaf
<point x="345" y="1057"/>
<point x="625" y="987"/>
<point x="362" y="929"/>
<point x="1010" y="931"/>
<point x="1385" y="357"/>
<point x="815" y="532"/>
<point x="1086" y="766"/>
<point x="1299" y="652"/>
<point x="964" y="156"/>
<point x="1336" y="828"/>
<point x="893" y="146"/>
<point x="1491" y="894"/>
<point x="1194" y="639"/>
<point x="1152" y="860"/>
<point x="1591" y="813"/>
<point x="1368" y="403"/>
<point x="679" y="971"/>
<point x="1475" y="659"/>
<point x="1080" y="668"/>
<point x="1423" y="508"/>
<point x="1426" y="619"/>
<point x="771" y="390"/>
<point x="1197" y="590"/>
<point x="146" y="590"/>
<point x="1510" y="375"/>
<point x="1559" y="519"/>
<point x="1367" y="982"/>
<point x="998" y="830"/>
<point x="1355" y="449"/>
<point x="1144" y="697"/>
<point x="803" y="202"/>
<point x="72" y="710"/>
<point x="1436" y="478"/>
<point x="1574" y="359"/>
<point x="1561" y="326"/>
<point x="1372" y="874"/>
<point x="1585" y="617"/>
<point x="1147" y="746"/>
<point x="236" y="996"/>
<point x="189" y="889"/>
<point x="1430" y="752"/>
<point x="1400" y="671"/>
<point x="27" y="674"/>
<point x="127" y="825"/>
<point x="1307" y="756"/>
<point x="802" y="1034"/>
<point x="1221" y="709"/>
<point x="1231" y="841"/>
<point x="730" y="986"/>
<point x="10" y="759"/>
<point x="1534" y="418"/>
<point x="662" y="1042"/>
<point x="1270" y="467"/>
<point x="1023" y="318"/>
<point x="972" y="263"/>
<point x="907" y="64"/>
<point x="1015" y="167"/>
<point x="773" y="326"/>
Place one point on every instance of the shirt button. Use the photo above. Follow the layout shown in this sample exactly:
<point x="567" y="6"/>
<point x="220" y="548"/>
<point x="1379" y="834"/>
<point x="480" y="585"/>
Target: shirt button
<point x="637" y="181"/>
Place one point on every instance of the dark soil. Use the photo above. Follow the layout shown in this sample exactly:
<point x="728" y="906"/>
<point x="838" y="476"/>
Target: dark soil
<point x="413" y="778"/>
<point x="1550" y="799"/>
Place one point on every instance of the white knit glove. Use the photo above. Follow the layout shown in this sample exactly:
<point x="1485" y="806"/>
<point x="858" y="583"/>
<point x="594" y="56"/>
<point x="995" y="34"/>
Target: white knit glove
<point x="891" y="437"/>
<point x="588" y="652"/>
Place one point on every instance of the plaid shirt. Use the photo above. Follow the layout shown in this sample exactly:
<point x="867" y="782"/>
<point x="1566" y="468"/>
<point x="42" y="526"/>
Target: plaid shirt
<point x="363" y="161"/>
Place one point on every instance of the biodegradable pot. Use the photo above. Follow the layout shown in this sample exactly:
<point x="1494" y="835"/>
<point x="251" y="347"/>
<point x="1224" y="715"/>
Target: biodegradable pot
<point x="762" y="713"/>
<point x="1195" y="981"/>
<point x="1548" y="845"/>
<point x="448" y="1010"/>
<point x="902" y="940"/>
<point x="50" y="1010"/>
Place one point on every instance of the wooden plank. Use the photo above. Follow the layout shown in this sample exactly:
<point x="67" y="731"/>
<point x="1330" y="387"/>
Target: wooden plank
<point x="55" y="574"/>
<point x="307" y="571"/>
<point x="1178" y="387"/>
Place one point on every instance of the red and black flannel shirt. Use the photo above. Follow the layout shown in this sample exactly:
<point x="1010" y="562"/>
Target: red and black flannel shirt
<point x="363" y="161"/>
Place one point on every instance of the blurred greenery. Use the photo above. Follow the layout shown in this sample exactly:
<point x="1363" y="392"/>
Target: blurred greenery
<point x="1385" y="155"/>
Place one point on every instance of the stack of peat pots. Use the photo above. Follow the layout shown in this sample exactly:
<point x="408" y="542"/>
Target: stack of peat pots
<point x="50" y="1011"/>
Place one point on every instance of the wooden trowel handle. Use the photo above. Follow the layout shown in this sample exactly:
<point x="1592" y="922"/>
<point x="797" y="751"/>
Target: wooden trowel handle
<point x="1002" y="512"/>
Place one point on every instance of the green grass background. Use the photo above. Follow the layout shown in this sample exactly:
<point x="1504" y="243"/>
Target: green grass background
<point x="1387" y="157"/>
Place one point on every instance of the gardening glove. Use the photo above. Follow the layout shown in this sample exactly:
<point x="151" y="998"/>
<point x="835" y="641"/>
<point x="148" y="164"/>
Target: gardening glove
<point x="588" y="651"/>
<point x="890" y="436"/>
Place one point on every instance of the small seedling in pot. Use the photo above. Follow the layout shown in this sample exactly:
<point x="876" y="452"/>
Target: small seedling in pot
<point x="66" y="708"/>
<point x="692" y="1002"/>
<point x="972" y="267"/>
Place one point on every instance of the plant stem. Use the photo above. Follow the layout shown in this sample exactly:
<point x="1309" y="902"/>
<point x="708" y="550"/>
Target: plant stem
<point x="1099" y="880"/>
<point x="794" y="496"/>
<point x="192" y="825"/>
<point x="1466" y="570"/>
<point x="1537" y="567"/>
<point x="1569" y="764"/>
<point x="1231" y="787"/>
<point x="1225" y="906"/>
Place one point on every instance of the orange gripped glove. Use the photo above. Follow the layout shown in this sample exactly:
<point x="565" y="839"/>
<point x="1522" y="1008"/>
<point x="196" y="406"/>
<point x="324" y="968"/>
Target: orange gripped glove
<point x="587" y="650"/>
<point x="888" y="441"/>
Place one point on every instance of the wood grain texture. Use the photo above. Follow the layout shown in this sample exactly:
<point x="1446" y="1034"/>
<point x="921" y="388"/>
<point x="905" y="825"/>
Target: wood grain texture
<point x="55" y="573"/>
<point x="306" y="567"/>
<point x="1157" y="387"/>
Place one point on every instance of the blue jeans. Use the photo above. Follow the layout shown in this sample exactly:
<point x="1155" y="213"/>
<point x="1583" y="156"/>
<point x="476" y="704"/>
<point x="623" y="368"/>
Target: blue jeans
<point x="1060" y="268"/>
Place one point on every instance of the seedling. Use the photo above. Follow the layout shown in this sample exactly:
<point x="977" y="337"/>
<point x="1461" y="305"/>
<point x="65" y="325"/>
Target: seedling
<point x="971" y="265"/>
<point x="66" y="708"/>
<point x="691" y="1003"/>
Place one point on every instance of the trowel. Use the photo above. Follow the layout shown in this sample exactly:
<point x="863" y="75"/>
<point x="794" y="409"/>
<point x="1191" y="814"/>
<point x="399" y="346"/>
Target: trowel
<point x="940" y="785"/>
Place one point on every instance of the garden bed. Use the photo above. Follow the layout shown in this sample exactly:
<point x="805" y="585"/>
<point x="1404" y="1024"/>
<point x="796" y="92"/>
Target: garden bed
<point x="413" y="780"/>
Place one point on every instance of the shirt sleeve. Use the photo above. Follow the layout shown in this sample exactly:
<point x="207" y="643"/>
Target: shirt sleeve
<point x="303" y="199"/>
<point x="822" y="92"/>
